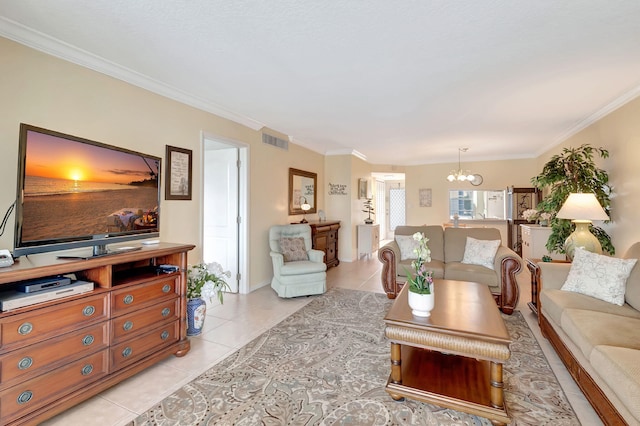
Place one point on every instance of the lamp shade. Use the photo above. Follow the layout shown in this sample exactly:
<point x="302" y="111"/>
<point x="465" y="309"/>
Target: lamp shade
<point x="582" y="206"/>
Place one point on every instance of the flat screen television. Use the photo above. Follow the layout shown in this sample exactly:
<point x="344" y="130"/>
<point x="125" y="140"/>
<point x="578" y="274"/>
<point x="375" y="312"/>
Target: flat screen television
<point x="75" y="193"/>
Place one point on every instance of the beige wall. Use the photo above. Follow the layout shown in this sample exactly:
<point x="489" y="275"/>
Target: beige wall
<point x="269" y="199"/>
<point x="44" y="91"/>
<point x="346" y="170"/>
<point x="496" y="175"/>
<point x="618" y="132"/>
<point x="360" y="169"/>
<point x="41" y="90"/>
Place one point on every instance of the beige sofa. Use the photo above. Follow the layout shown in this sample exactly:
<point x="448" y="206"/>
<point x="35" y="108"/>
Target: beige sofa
<point x="447" y="252"/>
<point x="598" y="341"/>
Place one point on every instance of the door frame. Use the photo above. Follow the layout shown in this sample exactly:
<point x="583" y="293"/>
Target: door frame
<point x="243" y="205"/>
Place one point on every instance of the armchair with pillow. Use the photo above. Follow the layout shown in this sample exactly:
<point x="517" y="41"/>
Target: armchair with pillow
<point x="464" y="254"/>
<point x="298" y="270"/>
<point x="589" y="311"/>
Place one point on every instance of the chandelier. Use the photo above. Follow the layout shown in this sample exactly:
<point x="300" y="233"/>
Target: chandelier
<point x="459" y="174"/>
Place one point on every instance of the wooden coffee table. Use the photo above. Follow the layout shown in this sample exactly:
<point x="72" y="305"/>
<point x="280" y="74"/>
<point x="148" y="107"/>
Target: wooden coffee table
<point x="454" y="357"/>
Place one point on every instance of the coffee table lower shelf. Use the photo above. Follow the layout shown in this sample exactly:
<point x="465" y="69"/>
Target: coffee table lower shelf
<point x="450" y="381"/>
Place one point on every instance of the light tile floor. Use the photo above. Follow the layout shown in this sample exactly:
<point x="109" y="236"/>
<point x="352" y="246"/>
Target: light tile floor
<point x="244" y="317"/>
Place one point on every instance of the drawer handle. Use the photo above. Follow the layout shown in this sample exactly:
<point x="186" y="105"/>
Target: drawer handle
<point x="88" y="311"/>
<point x="87" y="369"/>
<point x="126" y="352"/>
<point x="164" y="335"/>
<point x="88" y="340"/>
<point x="25" y="328"/>
<point x="128" y="299"/>
<point x="25" y="397"/>
<point x="166" y="288"/>
<point x="25" y="363"/>
<point x="127" y="325"/>
<point x="166" y="312"/>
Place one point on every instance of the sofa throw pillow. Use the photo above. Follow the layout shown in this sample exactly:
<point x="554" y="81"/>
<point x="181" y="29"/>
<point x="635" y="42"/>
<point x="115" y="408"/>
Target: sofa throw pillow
<point x="480" y="252"/>
<point x="293" y="249"/>
<point x="407" y="246"/>
<point x="599" y="276"/>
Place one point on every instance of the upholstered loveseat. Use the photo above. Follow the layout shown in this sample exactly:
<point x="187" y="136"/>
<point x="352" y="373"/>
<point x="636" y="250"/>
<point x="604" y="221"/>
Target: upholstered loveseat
<point x="447" y="247"/>
<point x="599" y="341"/>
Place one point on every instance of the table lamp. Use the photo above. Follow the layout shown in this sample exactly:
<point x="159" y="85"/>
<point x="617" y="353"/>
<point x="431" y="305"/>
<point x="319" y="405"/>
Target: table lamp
<point x="304" y="206"/>
<point x="582" y="209"/>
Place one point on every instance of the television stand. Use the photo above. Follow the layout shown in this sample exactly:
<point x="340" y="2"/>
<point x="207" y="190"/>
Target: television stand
<point x="58" y="353"/>
<point x="100" y="253"/>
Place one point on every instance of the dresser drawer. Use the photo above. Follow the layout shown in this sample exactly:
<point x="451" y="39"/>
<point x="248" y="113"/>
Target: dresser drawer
<point x="42" y="390"/>
<point x="31" y="360"/>
<point x="138" y="322"/>
<point x="132" y="350"/>
<point x="133" y="298"/>
<point x="31" y="327"/>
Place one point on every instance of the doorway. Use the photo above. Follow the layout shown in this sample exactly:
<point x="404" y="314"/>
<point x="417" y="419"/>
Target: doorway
<point x="390" y="202"/>
<point x="397" y="203"/>
<point x="224" y="208"/>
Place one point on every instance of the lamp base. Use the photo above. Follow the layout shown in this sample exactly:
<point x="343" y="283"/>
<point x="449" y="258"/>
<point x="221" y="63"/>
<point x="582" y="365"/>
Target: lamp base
<point x="583" y="238"/>
<point x="304" y="221"/>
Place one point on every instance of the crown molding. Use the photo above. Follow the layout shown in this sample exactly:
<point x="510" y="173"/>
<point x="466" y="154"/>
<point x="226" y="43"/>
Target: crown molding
<point x="593" y="118"/>
<point x="59" y="49"/>
<point x="347" y="152"/>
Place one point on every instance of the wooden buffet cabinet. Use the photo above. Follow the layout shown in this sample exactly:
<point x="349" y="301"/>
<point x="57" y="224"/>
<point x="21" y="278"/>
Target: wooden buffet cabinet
<point x="324" y="236"/>
<point x="56" y="354"/>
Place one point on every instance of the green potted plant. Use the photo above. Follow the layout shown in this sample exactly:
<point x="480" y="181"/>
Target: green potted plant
<point x="203" y="280"/>
<point x="421" y="299"/>
<point x="573" y="170"/>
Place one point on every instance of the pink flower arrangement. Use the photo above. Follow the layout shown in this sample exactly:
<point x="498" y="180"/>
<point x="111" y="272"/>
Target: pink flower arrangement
<point x="422" y="283"/>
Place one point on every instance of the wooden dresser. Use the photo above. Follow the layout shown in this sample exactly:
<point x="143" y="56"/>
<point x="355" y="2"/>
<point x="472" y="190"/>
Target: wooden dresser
<point x="56" y="354"/>
<point x="324" y="236"/>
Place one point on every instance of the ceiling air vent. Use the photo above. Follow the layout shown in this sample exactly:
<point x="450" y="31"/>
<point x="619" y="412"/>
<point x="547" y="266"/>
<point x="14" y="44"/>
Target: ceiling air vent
<point x="272" y="140"/>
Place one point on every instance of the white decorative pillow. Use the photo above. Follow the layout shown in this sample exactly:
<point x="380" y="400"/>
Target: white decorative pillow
<point x="407" y="246"/>
<point x="480" y="252"/>
<point x="599" y="276"/>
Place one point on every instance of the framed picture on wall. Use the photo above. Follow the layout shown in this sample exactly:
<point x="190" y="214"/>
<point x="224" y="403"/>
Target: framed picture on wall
<point x="178" y="162"/>
<point x="362" y="188"/>
<point x="425" y="197"/>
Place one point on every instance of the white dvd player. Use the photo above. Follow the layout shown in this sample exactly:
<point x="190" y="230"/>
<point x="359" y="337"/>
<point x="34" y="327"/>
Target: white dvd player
<point x="13" y="299"/>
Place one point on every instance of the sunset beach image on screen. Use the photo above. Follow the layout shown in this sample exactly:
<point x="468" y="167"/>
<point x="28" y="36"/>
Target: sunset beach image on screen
<point x="75" y="189"/>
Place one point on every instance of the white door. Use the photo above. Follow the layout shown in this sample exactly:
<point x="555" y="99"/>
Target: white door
<point x="397" y="215"/>
<point x="221" y="208"/>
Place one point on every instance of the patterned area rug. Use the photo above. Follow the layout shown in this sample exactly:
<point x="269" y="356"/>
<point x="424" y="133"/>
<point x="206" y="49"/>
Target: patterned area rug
<point x="328" y="364"/>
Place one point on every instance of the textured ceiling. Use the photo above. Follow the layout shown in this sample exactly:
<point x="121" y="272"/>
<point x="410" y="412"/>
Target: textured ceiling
<point x="401" y="82"/>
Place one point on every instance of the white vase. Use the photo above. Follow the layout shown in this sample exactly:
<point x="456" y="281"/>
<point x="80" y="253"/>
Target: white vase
<point x="421" y="304"/>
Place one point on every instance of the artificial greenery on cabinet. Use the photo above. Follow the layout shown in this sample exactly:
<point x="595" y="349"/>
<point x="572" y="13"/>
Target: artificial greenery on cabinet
<point x="368" y="208"/>
<point x="573" y="170"/>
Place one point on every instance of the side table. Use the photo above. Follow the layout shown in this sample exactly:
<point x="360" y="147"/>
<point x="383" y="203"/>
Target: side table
<point x="532" y="266"/>
<point x="368" y="239"/>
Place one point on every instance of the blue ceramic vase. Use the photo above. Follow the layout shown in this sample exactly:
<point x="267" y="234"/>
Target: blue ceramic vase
<point x="196" y="311"/>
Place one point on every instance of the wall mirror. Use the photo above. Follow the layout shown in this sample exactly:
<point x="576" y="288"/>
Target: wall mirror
<point x="477" y="205"/>
<point x="302" y="189"/>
